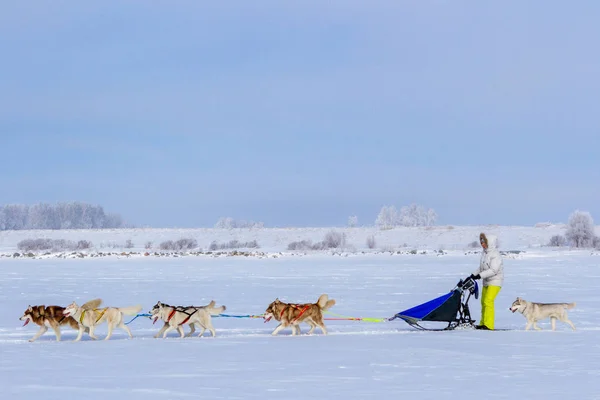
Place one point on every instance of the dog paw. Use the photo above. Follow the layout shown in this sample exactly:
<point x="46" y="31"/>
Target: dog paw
<point x="31" y="340"/>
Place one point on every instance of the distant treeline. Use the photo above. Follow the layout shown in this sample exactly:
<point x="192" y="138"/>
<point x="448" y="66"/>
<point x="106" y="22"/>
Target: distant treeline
<point x="74" y="215"/>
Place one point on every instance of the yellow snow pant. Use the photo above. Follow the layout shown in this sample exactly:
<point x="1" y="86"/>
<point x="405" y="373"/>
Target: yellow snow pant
<point x="488" y="295"/>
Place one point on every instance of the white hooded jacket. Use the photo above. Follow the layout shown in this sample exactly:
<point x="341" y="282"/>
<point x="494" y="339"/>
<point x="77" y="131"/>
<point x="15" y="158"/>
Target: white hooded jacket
<point x="490" y="268"/>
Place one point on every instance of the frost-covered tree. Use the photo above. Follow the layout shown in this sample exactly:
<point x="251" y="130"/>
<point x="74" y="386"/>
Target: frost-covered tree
<point x="75" y="215"/>
<point x="44" y="216"/>
<point x="230" y="223"/>
<point x="580" y="229"/>
<point x="352" y="221"/>
<point x="412" y="215"/>
<point x="387" y="218"/>
<point x="112" y="221"/>
<point x="417" y="215"/>
<point x="14" y="217"/>
<point x="225" y="223"/>
<point x="431" y="217"/>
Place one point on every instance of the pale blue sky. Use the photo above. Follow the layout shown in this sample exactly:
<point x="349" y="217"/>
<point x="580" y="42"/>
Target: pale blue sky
<point x="302" y="113"/>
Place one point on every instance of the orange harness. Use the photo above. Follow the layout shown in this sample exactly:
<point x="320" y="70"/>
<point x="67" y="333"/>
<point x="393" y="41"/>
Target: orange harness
<point x="297" y="307"/>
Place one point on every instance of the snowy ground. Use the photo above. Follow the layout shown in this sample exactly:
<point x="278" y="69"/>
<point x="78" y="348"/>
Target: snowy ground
<point x="357" y="359"/>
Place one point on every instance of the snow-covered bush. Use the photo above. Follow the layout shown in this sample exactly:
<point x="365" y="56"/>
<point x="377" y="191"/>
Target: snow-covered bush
<point x="301" y="245"/>
<point x="34" y="244"/>
<point x="233" y="244"/>
<point x="474" y="244"/>
<point x="181" y="244"/>
<point x="53" y="245"/>
<point x="557" y="241"/>
<point x="167" y="245"/>
<point x="186" y="244"/>
<point x="83" y="245"/>
<point x="580" y="229"/>
<point x="371" y="242"/>
<point x="332" y="240"/>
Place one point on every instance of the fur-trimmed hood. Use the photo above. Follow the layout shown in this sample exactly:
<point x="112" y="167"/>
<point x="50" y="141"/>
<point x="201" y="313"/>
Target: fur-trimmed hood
<point x="490" y="240"/>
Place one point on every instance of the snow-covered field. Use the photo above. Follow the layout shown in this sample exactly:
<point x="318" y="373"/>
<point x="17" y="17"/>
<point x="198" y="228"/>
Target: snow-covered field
<point x="272" y="240"/>
<point x="357" y="359"/>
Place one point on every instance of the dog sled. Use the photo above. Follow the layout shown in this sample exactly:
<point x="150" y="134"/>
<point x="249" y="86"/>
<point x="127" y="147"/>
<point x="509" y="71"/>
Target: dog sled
<point x="452" y="308"/>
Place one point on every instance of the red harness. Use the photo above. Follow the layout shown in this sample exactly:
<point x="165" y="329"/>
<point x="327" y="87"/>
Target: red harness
<point x="185" y="320"/>
<point x="171" y="315"/>
<point x="297" y="307"/>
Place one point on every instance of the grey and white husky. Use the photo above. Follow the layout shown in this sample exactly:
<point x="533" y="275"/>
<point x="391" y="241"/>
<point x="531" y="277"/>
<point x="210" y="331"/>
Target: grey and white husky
<point x="535" y="312"/>
<point x="175" y="317"/>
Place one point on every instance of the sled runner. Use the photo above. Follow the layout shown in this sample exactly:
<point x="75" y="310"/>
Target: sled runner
<point x="452" y="308"/>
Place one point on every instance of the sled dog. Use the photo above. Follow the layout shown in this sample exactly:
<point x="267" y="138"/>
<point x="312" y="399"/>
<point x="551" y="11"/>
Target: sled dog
<point x="534" y="312"/>
<point x="175" y="317"/>
<point x="89" y="316"/>
<point x="48" y="316"/>
<point x="290" y="314"/>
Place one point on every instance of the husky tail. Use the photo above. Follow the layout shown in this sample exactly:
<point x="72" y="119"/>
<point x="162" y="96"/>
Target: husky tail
<point x="212" y="310"/>
<point x="568" y="306"/>
<point x="92" y="304"/>
<point x="133" y="310"/>
<point x="324" y="303"/>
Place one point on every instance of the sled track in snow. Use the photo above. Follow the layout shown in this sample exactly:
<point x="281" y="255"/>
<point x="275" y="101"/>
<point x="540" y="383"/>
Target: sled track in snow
<point x="8" y="336"/>
<point x="17" y="336"/>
